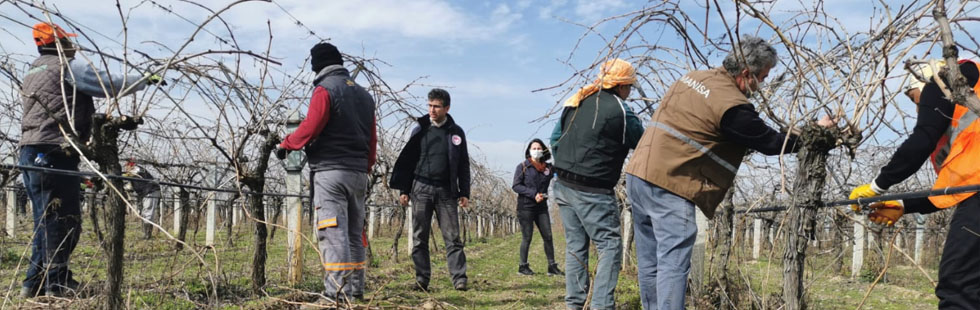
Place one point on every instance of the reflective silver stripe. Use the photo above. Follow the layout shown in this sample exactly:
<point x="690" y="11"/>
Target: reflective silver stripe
<point x="696" y="145"/>
<point x="965" y="121"/>
<point x="624" y="117"/>
<point x="952" y="133"/>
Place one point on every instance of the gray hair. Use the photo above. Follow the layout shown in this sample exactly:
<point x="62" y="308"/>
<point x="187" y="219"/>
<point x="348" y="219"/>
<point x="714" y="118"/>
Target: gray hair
<point x="757" y="53"/>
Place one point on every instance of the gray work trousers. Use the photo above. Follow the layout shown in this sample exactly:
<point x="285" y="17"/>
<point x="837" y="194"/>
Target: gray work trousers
<point x="427" y="199"/>
<point x="590" y="217"/>
<point x="339" y="197"/>
<point x="151" y="206"/>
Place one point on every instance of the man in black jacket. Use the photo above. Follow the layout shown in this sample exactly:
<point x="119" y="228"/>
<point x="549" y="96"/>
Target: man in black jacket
<point x="434" y="170"/>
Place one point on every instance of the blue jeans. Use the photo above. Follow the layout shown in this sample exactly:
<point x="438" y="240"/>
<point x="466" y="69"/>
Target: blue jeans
<point x="665" y="230"/>
<point x="55" y="203"/>
<point x="590" y="217"/>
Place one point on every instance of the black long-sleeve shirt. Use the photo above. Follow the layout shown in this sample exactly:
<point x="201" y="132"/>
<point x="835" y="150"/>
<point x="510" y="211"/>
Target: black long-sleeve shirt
<point x="741" y="124"/>
<point x="933" y="119"/>
<point x="144" y="188"/>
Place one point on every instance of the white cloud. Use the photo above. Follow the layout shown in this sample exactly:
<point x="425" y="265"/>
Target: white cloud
<point x="523" y="4"/>
<point x="548" y="11"/>
<point x="503" y="17"/>
<point x="592" y="11"/>
<point x="489" y="88"/>
<point x="502" y="156"/>
<point x="417" y="19"/>
<point x="585" y="11"/>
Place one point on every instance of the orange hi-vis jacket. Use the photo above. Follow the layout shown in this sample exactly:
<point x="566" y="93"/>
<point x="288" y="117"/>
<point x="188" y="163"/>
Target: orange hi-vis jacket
<point x="957" y="155"/>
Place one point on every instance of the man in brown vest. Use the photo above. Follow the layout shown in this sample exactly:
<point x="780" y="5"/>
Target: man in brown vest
<point x="689" y="156"/>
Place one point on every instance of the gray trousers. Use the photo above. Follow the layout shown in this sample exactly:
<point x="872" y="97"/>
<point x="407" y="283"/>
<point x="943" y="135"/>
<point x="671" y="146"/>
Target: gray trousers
<point x="339" y="197"/>
<point x="151" y="206"/>
<point x="665" y="228"/>
<point x="427" y="199"/>
<point x="590" y="217"/>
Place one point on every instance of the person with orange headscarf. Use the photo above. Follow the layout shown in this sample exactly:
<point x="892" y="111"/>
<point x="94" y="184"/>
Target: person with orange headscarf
<point x="590" y="142"/>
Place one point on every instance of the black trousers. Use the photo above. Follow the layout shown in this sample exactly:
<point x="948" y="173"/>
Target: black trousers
<point x="528" y="218"/>
<point x="426" y="200"/>
<point x="959" y="267"/>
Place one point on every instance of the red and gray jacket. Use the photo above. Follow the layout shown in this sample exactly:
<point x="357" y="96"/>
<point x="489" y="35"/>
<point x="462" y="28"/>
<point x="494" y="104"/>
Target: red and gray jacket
<point x="339" y="130"/>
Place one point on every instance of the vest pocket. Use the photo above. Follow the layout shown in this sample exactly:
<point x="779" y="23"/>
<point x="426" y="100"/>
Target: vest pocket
<point x="714" y="181"/>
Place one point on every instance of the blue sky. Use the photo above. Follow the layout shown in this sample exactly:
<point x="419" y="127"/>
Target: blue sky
<point x="490" y="55"/>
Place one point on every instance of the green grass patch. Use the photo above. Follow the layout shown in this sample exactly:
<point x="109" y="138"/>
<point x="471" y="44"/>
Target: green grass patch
<point x="159" y="277"/>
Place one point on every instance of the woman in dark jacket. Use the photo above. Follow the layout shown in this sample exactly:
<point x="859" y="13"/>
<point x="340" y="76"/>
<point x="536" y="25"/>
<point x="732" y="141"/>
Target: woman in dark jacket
<point x="531" y="182"/>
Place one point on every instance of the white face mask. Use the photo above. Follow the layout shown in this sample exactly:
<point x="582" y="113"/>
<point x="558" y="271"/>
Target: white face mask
<point x="537" y="154"/>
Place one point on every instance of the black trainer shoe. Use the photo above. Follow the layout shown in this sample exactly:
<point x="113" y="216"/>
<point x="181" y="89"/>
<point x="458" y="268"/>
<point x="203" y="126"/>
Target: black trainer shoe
<point x="554" y="271"/>
<point x="419" y="287"/>
<point x="460" y="286"/>
<point x="69" y="289"/>
<point x="30" y="292"/>
<point x="525" y="269"/>
<point x="73" y="285"/>
<point x="60" y="292"/>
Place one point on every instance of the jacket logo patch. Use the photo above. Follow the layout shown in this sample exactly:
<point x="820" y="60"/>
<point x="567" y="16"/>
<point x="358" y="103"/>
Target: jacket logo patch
<point x="350" y="83"/>
<point x="457" y="140"/>
<point x="696" y="86"/>
<point x="37" y="69"/>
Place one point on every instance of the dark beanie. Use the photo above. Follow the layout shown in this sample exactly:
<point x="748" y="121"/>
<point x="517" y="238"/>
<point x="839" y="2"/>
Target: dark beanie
<point x="324" y="54"/>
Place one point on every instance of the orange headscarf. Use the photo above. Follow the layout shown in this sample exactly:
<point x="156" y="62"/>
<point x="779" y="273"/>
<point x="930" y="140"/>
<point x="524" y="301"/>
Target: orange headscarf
<point x="613" y="73"/>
